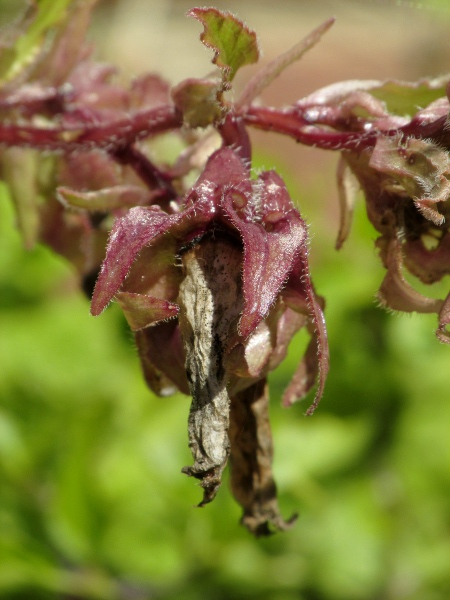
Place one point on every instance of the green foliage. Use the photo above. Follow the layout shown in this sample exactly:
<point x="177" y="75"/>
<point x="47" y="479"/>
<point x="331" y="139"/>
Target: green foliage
<point x="233" y="43"/>
<point x="402" y="100"/>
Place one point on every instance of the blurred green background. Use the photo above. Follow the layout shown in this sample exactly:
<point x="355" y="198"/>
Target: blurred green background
<point x="92" y="502"/>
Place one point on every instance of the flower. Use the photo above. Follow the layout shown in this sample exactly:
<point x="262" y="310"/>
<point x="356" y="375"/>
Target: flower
<point x="403" y="167"/>
<point x="216" y="326"/>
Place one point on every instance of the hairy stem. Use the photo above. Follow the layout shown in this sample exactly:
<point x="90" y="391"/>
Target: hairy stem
<point x="148" y="172"/>
<point x="235" y="135"/>
<point x="110" y="134"/>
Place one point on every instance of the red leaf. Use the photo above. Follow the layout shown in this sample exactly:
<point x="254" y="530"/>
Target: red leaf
<point x="270" y="245"/>
<point x="129" y="234"/>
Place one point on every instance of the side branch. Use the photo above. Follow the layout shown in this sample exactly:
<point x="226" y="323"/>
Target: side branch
<point x="294" y="123"/>
<point x="82" y="135"/>
<point x="290" y="122"/>
<point x="155" y="178"/>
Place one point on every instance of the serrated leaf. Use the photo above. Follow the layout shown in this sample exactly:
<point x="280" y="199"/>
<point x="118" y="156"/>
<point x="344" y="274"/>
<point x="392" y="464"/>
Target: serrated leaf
<point x="233" y="43"/>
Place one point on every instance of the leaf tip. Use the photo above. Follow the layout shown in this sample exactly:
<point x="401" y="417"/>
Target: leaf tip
<point x="234" y="44"/>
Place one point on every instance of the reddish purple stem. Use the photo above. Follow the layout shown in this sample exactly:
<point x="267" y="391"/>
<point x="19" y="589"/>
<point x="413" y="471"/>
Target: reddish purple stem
<point x="111" y="135"/>
<point x="291" y="122"/>
<point x="234" y="135"/>
<point x="154" y="177"/>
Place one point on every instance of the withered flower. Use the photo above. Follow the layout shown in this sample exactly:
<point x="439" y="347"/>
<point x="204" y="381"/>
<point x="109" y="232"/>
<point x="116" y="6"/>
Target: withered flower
<point x="404" y="172"/>
<point x="216" y="324"/>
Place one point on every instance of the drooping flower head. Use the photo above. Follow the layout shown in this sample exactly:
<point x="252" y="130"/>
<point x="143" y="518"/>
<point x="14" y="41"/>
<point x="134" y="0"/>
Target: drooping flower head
<point x="242" y="292"/>
<point x="213" y="278"/>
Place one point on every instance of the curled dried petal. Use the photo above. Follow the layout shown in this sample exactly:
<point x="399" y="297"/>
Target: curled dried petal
<point x="251" y="458"/>
<point x="395" y="292"/>
<point x="210" y="304"/>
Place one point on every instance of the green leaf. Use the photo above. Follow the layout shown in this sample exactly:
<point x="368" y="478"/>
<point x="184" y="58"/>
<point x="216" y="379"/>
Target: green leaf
<point x="404" y="98"/>
<point x="233" y="43"/>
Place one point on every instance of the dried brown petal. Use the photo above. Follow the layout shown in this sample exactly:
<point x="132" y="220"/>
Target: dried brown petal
<point x="251" y="456"/>
<point x="210" y="304"/>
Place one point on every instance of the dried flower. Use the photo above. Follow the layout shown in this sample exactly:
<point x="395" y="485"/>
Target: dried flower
<point x="243" y="291"/>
